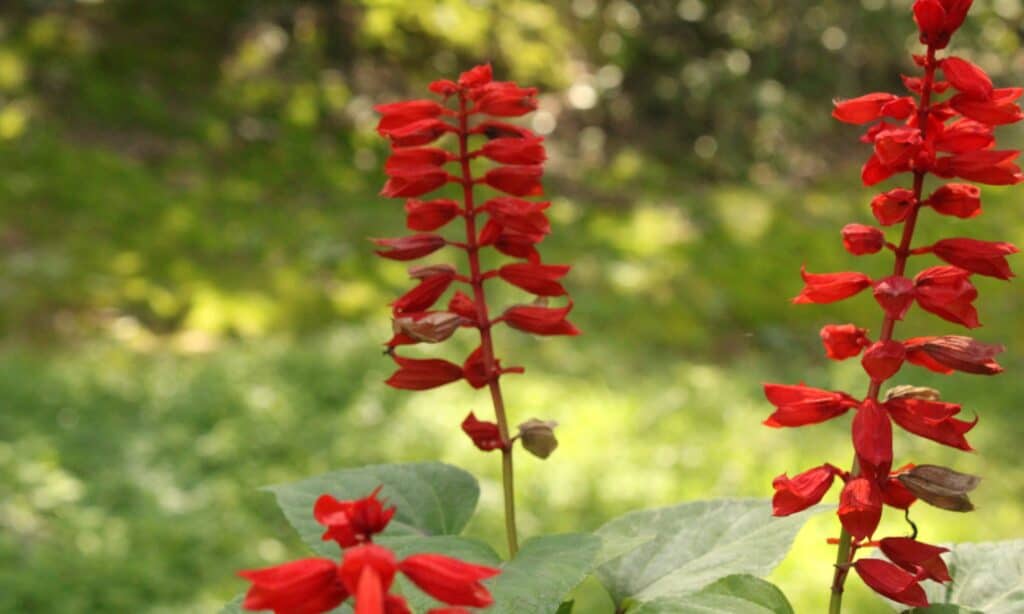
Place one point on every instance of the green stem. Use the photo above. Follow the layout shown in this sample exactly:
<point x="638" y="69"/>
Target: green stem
<point x="487" y="345"/>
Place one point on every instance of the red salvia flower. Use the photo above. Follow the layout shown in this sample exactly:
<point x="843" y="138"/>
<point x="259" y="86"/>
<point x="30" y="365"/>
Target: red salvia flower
<point x="485" y="435"/>
<point x="449" y="580"/>
<point x="351" y="523"/>
<point x="401" y="114"/>
<point x="516" y="180"/>
<point x="410" y="248"/>
<point x="540" y="279"/>
<point x="513" y="150"/>
<point x="306" y="586"/>
<point x="430" y="214"/>
<point x="425" y="294"/>
<point x="844" y="341"/>
<point x="423" y="373"/>
<point x="922" y="135"/>
<point x="540" y="320"/>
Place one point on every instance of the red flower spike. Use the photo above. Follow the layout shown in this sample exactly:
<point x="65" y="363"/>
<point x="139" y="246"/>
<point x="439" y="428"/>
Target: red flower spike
<point x="515" y="150"/>
<point x="410" y="248"/>
<point x="947" y="292"/>
<point x="890" y="581"/>
<point x="423" y="374"/>
<point x="424" y="295"/>
<point x="861" y="240"/>
<point x="966" y="77"/>
<point x="979" y="257"/>
<point x="802" y="405"/>
<point x="913" y="555"/>
<point x="883" y="360"/>
<point x="895" y="294"/>
<point x="830" y="287"/>
<point x="429" y="215"/>
<point x="351" y="523"/>
<point x="932" y="420"/>
<point x="449" y="580"/>
<point x="872" y="438"/>
<point x="306" y="586"/>
<point x="844" y="341"/>
<point x="485" y="435"/>
<point x="516" y="180"/>
<point x="800" y="492"/>
<point x="954" y="353"/>
<point x="956" y="199"/>
<point x="540" y="320"/>
<point x="540" y="279"/>
<point x="398" y="115"/>
<point x="860" y="507"/>
<point x="893" y="207"/>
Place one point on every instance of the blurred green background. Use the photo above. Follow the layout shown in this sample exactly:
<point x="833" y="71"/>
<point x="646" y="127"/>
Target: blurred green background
<point x="189" y="309"/>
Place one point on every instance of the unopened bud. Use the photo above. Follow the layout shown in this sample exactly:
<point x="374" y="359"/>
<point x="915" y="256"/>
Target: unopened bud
<point x="859" y="239"/>
<point x="430" y="270"/>
<point x="912" y="392"/>
<point x="538" y="437"/>
<point x="433" y="327"/>
<point x="941" y="487"/>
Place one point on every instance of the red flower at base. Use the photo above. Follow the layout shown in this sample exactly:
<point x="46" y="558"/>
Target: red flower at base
<point x="449" y="580"/>
<point x="306" y="586"/>
<point x="891" y="581"/>
<point x="351" y="523"/>
<point x="860" y="507"/>
<point x="800" y="492"/>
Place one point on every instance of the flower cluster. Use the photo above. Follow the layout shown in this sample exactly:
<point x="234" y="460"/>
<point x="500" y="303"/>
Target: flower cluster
<point x="918" y="134"/>
<point x="365" y="572"/>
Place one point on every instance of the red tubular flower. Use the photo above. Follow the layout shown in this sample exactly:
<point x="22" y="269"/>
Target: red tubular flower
<point x="915" y="556"/>
<point x="800" y="492"/>
<point x="425" y="294"/>
<point x="540" y="320"/>
<point x="517" y="215"/>
<point x="966" y="77"/>
<point x="932" y="420"/>
<point x="893" y="207"/>
<point x="351" y="523"/>
<point x="883" y="359"/>
<point x="948" y="292"/>
<point x="410" y="248"/>
<point x="956" y="199"/>
<point x="540" y="279"/>
<point x="844" y="341"/>
<point x="891" y="581"/>
<point x="894" y="493"/>
<point x="422" y="132"/>
<point x="996" y="110"/>
<point x="872" y="438"/>
<point x="895" y="294"/>
<point x="860" y="507"/>
<point x="423" y="374"/>
<point x="860" y="240"/>
<point x="979" y="257"/>
<point x="367" y="572"/>
<point x="306" y="586"/>
<point x="414" y="181"/>
<point x="514" y="150"/>
<point x="954" y="353"/>
<point x="431" y="214"/>
<point x="449" y="580"/>
<point x="398" y="115"/>
<point x="507" y="100"/>
<point x="801" y="405"/>
<point x="830" y="287"/>
<point x="485" y="435"/>
<point x="516" y="180"/>
<point x="463" y="305"/>
<point x="987" y="166"/>
<point x="870" y="107"/>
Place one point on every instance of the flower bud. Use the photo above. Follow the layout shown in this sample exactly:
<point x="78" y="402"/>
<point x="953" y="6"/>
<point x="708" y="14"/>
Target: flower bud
<point x="860" y="240"/>
<point x="957" y="199"/>
<point x="538" y="437"/>
<point x="883" y="359"/>
<point x="844" y="341"/>
<point x="895" y="294"/>
<point x="893" y="206"/>
<point x="485" y="435"/>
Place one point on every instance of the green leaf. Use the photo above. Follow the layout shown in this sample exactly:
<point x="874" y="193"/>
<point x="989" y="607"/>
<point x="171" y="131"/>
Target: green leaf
<point x="546" y="569"/>
<point x="565" y="608"/>
<point x="432" y="498"/>
<point x="987" y="578"/>
<point x="738" y="594"/>
<point x="695" y="545"/>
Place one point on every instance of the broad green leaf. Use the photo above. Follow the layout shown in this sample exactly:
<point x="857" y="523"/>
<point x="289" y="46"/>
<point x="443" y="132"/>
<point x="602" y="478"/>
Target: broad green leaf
<point x="432" y="498"/>
<point x="987" y="578"/>
<point x="695" y="545"/>
<point x="540" y="577"/>
<point x="565" y="608"/>
<point x="739" y="594"/>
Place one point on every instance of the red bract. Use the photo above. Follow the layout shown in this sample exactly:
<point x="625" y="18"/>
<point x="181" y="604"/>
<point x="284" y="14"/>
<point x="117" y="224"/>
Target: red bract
<point x="800" y="492"/>
<point x="431" y="214"/>
<point x="423" y="374"/>
<point x="425" y="294"/>
<point x="306" y="586"/>
<point x="921" y="135"/>
<point x="830" y="287"/>
<point x="515" y="150"/>
<point x="801" y="405"/>
<point x="517" y="215"/>
<point x="516" y="180"/>
<point x="540" y="320"/>
<point x="485" y="435"/>
<point x="401" y="114"/>
<point x="844" y="341"/>
<point x="540" y="279"/>
<point x="350" y="523"/>
<point x="978" y="257"/>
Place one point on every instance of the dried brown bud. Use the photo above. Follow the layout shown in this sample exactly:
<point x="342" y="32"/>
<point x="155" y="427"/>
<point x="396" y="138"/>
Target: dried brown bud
<point x="941" y="487"/>
<point x="433" y="327"/>
<point x="429" y="270"/>
<point x="538" y="437"/>
<point x="963" y="354"/>
<point x="912" y="392"/>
